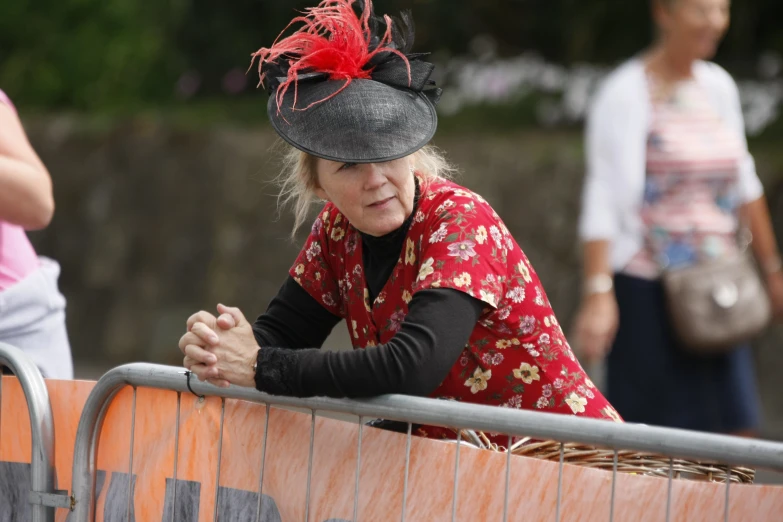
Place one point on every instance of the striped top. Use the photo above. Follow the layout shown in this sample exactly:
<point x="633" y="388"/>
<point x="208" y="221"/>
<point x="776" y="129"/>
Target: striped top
<point x="691" y="192"/>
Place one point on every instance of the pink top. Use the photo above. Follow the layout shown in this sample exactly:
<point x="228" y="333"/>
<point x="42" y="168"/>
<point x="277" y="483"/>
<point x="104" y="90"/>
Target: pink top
<point x="691" y="192"/>
<point x="17" y="256"/>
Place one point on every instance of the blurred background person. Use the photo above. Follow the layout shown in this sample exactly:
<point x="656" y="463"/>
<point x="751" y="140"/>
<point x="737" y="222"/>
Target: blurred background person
<point x="32" y="309"/>
<point x="668" y="174"/>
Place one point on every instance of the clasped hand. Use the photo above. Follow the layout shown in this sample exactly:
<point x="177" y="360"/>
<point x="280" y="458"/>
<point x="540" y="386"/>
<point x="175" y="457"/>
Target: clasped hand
<point x="221" y="350"/>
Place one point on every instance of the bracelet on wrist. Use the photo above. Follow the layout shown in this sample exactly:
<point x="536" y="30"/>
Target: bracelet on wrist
<point x="598" y="284"/>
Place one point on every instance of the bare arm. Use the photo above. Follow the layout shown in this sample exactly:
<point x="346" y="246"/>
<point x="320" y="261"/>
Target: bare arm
<point x="597" y="319"/>
<point x="765" y="247"/>
<point x="596" y="259"/>
<point x="25" y="186"/>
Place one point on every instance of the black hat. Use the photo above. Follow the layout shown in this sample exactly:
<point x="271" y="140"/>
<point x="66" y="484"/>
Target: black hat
<point x="341" y="91"/>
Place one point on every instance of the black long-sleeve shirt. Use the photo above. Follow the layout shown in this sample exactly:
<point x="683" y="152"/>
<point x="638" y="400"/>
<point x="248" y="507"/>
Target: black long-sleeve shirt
<point x="414" y="362"/>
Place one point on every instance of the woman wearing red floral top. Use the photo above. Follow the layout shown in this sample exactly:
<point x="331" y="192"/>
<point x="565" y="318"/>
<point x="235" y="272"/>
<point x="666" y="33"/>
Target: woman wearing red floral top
<point x="439" y="299"/>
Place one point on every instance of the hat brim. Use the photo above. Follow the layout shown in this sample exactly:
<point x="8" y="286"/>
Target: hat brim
<point x="366" y="122"/>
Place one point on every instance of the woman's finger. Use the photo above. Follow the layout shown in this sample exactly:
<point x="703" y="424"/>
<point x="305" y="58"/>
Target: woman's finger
<point x="201" y="317"/>
<point x="206" y="333"/>
<point x="203" y="371"/>
<point x="188" y="362"/>
<point x="190" y="338"/>
<point x="236" y="313"/>
<point x="226" y="321"/>
<point x="591" y="343"/>
<point x="209" y="374"/>
<point x="199" y="355"/>
<point x="582" y="338"/>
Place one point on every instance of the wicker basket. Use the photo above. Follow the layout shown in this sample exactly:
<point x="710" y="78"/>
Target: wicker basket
<point x="632" y="462"/>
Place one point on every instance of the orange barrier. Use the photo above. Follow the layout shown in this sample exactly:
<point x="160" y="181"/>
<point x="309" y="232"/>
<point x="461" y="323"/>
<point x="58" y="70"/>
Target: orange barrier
<point x="200" y="460"/>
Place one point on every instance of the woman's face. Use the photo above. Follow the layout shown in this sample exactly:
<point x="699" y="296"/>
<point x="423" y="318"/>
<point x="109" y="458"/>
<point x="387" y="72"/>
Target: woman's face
<point x="376" y="198"/>
<point x="694" y="27"/>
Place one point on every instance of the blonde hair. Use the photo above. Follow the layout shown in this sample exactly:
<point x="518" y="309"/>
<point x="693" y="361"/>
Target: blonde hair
<point x="298" y="178"/>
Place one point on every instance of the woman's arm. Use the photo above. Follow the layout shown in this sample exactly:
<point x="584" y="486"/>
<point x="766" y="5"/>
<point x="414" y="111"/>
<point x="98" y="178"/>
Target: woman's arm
<point x="596" y="259"/>
<point x="765" y="249"/>
<point x="294" y="320"/>
<point x="751" y="192"/>
<point x="598" y="316"/>
<point x="414" y="362"/>
<point x="25" y="186"/>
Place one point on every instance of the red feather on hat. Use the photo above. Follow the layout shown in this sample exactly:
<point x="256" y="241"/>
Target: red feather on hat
<point x="333" y="40"/>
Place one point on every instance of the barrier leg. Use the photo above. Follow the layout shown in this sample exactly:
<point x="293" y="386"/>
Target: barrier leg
<point x="456" y="479"/>
<point x="43" y="495"/>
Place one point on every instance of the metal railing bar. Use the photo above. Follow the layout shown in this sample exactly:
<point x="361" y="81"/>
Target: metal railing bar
<point x="726" y="505"/>
<point x="456" y="478"/>
<point x="130" y="454"/>
<point x="42" y="472"/>
<point x="560" y="482"/>
<point x="219" y="459"/>
<point x="508" y="479"/>
<point x="358" y="471"/>
<point x="407" y="467"/>
<point x="669" y="490"/>
<point x="263" y="465"/>
<point x="418" y="410"/>
<point x="310" y="468"/>
<point x="614" y="482"/>
<point x="176" y="459"/>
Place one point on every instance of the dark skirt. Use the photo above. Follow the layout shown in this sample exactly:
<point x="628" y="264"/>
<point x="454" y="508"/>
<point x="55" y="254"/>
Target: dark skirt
<point x="652" y="380"/>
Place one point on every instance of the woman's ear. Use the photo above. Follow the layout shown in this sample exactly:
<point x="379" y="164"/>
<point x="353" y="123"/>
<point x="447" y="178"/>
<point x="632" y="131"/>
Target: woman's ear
<point x="314" y="181"/>
<point x="321" y="194"/>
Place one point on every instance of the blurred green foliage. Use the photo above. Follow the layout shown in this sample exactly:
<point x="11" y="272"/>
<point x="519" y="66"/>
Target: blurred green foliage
<point x="105" y="55"/>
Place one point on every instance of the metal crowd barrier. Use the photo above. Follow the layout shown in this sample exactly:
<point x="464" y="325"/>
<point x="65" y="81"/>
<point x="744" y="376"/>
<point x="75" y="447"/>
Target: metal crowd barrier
<point x="42" y="473"/>
<point x="562" y="428"/>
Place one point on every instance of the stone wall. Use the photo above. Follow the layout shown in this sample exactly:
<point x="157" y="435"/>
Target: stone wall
<point x="154" y="223"/>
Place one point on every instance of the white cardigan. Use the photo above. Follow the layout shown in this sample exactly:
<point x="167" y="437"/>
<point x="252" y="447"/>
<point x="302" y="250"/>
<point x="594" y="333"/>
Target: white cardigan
<point x="616" y="142"/>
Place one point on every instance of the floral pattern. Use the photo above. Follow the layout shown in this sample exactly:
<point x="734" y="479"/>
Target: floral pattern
<point x="517" y="355"/>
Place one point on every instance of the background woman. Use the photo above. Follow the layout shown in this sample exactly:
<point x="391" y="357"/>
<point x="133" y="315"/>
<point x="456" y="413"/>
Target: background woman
<point x="668" y="174"/>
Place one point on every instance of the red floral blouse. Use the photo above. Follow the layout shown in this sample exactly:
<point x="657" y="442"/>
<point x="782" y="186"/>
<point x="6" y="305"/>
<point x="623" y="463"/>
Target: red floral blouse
<point x="517" y="355"/>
